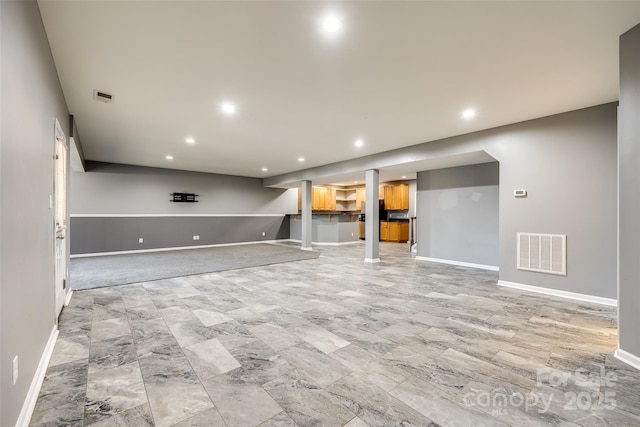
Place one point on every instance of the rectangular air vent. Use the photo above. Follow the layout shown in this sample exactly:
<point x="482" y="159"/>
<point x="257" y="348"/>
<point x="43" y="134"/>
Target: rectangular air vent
<point x="102" y="96"/>
<point x="545" y="253"/>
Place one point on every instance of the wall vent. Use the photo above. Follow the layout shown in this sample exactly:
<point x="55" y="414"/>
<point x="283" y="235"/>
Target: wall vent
<point x="545" y="253"/>
<point x="102" y="96"/>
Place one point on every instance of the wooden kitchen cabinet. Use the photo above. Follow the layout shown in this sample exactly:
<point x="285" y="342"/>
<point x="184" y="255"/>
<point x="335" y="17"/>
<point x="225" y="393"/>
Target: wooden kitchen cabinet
<point x="401" y="232"/>
<point x="317" y="198"/>
<point x="322" y="199"/>
<point x="388" y="198"/>
<point x="384" y="231"/>
<point x="396" y="197"/>
<point x="360" y="197"/>
<point x="401" y="196"/>
<point x="394" y="231"/>
<point x="330" y="199"/>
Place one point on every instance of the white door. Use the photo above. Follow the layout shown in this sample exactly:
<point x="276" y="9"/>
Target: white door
<point x="60" y="227"/>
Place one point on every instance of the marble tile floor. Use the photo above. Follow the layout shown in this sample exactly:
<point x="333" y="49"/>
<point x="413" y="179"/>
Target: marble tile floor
<point x="336" y="342"/>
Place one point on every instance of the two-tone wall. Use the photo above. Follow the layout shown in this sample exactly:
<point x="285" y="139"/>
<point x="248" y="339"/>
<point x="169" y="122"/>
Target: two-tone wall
<point x="31" y="100"/>
<point x="114" y="206"/>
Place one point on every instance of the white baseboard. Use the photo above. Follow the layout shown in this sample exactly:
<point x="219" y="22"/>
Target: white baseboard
<point x="628" y="358"/>
<point x="34" y="390"/>
<point x="355" y="242"/>
<point x="176" y="248"/>
<point x="557" y="293"/>
<point x="67" y="299"/>
<point x="459" y="263"/>
<point x="372" y="260"/>
<point x="150" y="215"/>
<point x="328" y="243"/>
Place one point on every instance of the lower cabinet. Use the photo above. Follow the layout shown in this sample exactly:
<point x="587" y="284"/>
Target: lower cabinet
<point x="403" y="231"/>
<point x="394" y="231"/>
<point x="384" y="231"/>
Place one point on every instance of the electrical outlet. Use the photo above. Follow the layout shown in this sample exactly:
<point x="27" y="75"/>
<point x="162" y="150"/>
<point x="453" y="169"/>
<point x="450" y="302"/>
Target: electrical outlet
<point x="140" y="240"/>
<point x="197" y="237"/>
<point x="264" y="234"/>
<point x="15" y="370"/>
<point x="194" y="237"/>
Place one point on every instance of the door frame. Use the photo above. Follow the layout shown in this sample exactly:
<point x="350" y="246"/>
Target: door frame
<point x="60" y="229"/>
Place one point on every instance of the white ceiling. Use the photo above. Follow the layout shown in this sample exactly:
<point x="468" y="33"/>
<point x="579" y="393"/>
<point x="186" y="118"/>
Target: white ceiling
<point x="397" y="74"/>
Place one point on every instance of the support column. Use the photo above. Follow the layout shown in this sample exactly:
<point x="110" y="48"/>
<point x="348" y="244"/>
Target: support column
<point x="307" y="229"/>
<point x="372" y="217"/>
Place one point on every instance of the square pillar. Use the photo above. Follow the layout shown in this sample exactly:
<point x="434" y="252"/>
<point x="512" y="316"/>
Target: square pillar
<point x="307" y="229"/>
<point x="372" y="217"/>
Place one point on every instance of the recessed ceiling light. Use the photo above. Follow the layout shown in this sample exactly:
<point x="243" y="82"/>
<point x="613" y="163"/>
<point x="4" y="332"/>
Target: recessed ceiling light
<point x="264" y="169"/>
<point x="228" y="108"/>
<point x="355" y="182"/>
<point x="301" y="159"/>
<point x="168" y="157"/>
<point x="469" y="114"/>
<point x="190" y="141"/>
<point x="331" y="24"/>
<point x="359" y="143"/>
<point x="404" y="176"/>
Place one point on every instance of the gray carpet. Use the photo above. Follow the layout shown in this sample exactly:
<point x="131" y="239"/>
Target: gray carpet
<point x="101" y="271"/>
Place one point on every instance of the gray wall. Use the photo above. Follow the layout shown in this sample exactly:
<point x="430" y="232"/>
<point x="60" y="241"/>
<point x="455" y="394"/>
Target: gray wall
<point x="230" y="209"/>
<point x="31" y="101"/>
<point x="108" y="188"/>
<point x="629" y="175"/>
<point x="109" y="234"/>
<point x="568" y="165"/>
<point x="458" y="210"/>
<point x="338" y="229"/>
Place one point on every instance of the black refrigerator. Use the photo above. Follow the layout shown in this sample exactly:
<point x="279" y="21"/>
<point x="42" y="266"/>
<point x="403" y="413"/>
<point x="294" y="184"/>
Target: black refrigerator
<point x="382" y="216"/>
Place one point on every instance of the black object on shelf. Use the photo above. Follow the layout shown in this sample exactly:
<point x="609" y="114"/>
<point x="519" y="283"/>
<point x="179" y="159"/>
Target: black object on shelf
<point x="183" y="198"/>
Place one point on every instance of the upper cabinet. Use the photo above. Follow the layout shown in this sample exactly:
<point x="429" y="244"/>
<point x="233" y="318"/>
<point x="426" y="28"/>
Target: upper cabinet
<point x="360" y="197"/>
<point x="330" y="199"/>
<point x="322" y="199"/>
<point x="396" y="197"/>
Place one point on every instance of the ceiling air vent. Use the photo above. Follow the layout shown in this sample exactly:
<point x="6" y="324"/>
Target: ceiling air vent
<point x="102" y="96"/>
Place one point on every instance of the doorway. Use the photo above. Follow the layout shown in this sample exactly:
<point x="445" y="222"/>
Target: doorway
<point x="60" y="225"/>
